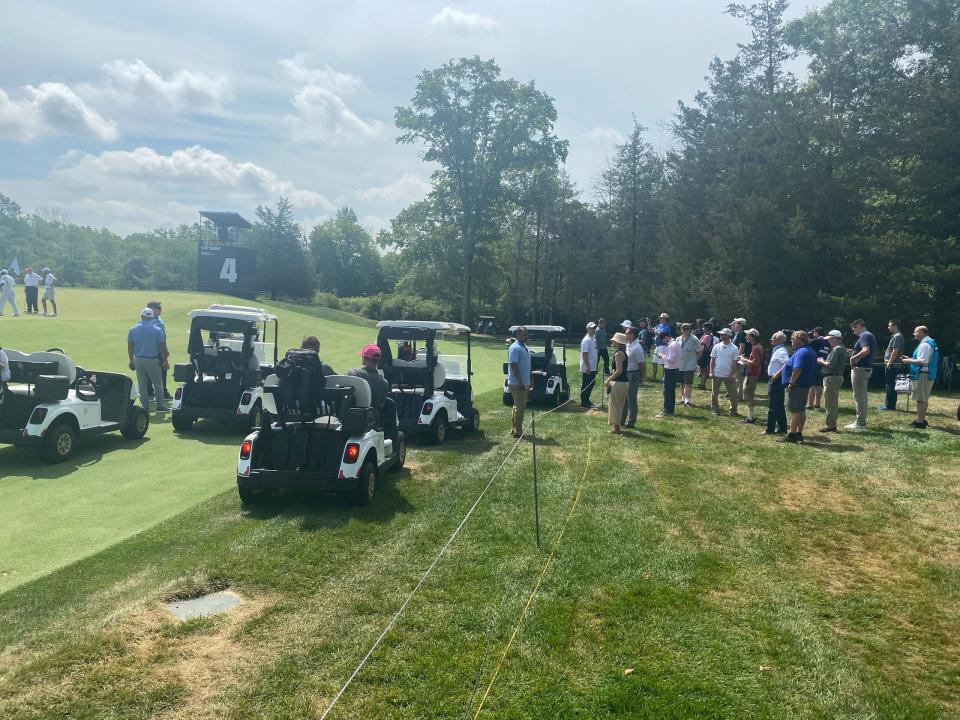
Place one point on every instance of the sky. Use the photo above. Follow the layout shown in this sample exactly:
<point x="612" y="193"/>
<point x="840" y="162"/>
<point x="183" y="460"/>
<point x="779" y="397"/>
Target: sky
<point x="133" y="116"/>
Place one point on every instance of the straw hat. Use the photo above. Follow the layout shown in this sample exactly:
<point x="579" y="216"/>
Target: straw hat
<point x="620" y="338"/>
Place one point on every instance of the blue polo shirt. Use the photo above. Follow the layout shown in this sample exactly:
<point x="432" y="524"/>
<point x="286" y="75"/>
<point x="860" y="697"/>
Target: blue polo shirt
<point x="519" y="354"/>
<point x="146" y="338"/>
<point x="662" y="328"/>
<point x="865" y="340"/>
<point x="805" y="359"/>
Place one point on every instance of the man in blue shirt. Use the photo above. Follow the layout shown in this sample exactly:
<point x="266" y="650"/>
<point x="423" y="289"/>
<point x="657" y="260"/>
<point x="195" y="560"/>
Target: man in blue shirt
<point x="518" y="378"/>
<point x="147" y="352"/>
<point x="803" y="374"/>
<point x="158" y="321"/>
<point x="861" y="368"/>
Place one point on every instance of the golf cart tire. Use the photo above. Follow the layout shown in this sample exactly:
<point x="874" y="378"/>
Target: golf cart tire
<point x="366" y="484"/>
<point x="254" y="418"/>
<point x="474" y="423"/>
<point x="137" y="424"/>
<point x="59" y="443"/>
<point x="401" y="453"/>
<point x="181" y="423"/>
<point x="253" y="496"/>
<point x="438" y="428"/>
<point x="508" y="399"/>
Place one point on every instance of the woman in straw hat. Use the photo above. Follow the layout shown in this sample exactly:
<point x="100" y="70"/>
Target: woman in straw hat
<point x="618" y="382"/>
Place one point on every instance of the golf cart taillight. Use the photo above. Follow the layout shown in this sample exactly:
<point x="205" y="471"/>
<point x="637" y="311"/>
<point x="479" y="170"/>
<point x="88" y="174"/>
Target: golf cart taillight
<point x="245" y="398"/>
<point x="351" y="453"/>
<point x="179" y="393"/>
<point x="427" y="408"/>
<point x="245" y="449"/>
<point x="39" y="415"/>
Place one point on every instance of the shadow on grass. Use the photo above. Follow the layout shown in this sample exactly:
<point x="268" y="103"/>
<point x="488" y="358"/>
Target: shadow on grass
<point x="213" y="432"/>
<point x="90" y="451"/>
<point x="822" y="443"/>
<point x="649" y="434"/>
<point x="319" y="511"/>
<point x="459" y="441"/>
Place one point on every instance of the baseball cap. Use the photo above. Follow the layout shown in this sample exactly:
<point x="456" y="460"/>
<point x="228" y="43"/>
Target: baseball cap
<point x="591" y="325"/>
<point x="727" y="331"/>
<point x="146" y="312"/>
<point x="46" y="269"/>
<point x="370" y="351"/>
<point x="742" y="321"/>
<point x="626" y="324"/>
<point x="664" y="315"/>
<point x="835" y="333"/>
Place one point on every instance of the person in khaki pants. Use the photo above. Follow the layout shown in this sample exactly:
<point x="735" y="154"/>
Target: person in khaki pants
<point x="519" y="379"/>
<point x="861" y="368"/>
<point x="832" y="371"/>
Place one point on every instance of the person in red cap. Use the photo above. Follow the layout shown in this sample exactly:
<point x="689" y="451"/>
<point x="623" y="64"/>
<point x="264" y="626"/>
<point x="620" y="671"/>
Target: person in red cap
<point x="369" y="371"/>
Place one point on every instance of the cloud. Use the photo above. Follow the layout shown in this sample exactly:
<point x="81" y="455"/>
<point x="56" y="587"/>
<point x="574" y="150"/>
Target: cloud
<point x="189" y="175"/>
<point x="408" y="189"/>
<point x="323" y="116"/>
<point x="607" y="135"/>
<point x="51" y="109"/>
<point x="462" y="21"/>
<point x="135" y="82"/>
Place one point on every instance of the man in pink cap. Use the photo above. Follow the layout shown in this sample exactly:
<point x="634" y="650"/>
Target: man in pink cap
<point x="369" y="371"/>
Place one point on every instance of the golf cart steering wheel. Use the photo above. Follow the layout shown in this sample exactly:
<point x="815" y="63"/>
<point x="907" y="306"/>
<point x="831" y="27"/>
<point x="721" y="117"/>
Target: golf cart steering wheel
<point x="85" y="389"/>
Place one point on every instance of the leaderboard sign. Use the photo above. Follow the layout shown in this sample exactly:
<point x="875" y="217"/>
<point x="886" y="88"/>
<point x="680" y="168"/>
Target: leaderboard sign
<point x="225" y="261"/>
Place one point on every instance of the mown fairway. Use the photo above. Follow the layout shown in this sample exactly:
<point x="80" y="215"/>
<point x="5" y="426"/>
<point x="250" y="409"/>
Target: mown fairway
<point x="705" y="572"/>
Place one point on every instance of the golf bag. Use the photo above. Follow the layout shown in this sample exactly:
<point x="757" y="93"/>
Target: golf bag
<point x="301" y="383"/>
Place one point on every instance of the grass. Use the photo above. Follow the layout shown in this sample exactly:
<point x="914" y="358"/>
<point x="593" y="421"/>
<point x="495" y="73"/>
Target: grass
<point x="705" y="572"/>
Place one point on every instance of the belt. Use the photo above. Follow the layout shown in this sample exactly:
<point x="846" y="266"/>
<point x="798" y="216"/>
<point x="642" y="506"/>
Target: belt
<point x="147" y="357"/>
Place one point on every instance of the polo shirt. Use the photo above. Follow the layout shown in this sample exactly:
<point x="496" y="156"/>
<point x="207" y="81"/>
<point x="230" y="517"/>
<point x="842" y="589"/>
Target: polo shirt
<point x="778" y="358"/>
<point x="671" y="356"/>
<point x="588" y="345"/>
<point x="866" y="340"/>
<point x="636" y="357"/>
<point x="806" y="360"/>
<point x="662" y="328"/>
<point x="688" y="356"/>
<point x="146" y="338"/>
<point x="894" y="349"/>
<point x="601" y="337"/>
<point x="31" y="279"/>
<point x="49" y="280"/>
<point x="836" y="359"/>
<point x="724" y="357"/>
<point x="519" y="354"/>
<point x="7" y="282"/>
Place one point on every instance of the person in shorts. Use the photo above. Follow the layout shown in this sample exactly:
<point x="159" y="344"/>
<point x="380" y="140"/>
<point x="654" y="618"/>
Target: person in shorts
<point x="723" y="360"/>
<point x="690" y="351"/>
<point x="752" y="365"/>
<point x="803" y="374"/>
<point x="923" y="371"/>
<point x="49" y="292"/>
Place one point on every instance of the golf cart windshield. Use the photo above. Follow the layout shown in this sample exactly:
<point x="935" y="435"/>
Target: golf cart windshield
<point x="208" y="333"/>
<point x="542" y="340"/>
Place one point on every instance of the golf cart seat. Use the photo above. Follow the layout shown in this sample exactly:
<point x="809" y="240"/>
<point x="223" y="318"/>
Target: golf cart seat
<point x="65" y="366"/>
<point x="362" y="398"/>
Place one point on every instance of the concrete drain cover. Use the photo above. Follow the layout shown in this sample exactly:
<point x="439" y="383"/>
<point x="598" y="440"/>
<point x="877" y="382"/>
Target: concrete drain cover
<point x="205" y="605"/>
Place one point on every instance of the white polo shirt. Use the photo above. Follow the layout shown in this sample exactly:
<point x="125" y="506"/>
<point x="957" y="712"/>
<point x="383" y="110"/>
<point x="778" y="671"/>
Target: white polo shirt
<point x="7" y="283"/>
<point x="31" y="279"/>
<point x="589" y="345"/>
<point x="49" y="280"/>
<point x="778" y="358"/>
<point x="636" y="357"/>
<point x="724" y="358"/>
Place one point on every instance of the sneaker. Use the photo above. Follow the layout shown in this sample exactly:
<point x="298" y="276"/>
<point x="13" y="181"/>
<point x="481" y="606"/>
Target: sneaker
<point x="790" y="438"/>
<point x="826" y="429"/>
<point x="748" y="421"/>
<point x="854" y="426"/>
<point x="630" y="425"/>
<point x="734" y="413"/>
<point x="810" y="407"/>
<point x="921" y="424"/>
<point x="663" y="414"/>
<point x="716" y="414"/>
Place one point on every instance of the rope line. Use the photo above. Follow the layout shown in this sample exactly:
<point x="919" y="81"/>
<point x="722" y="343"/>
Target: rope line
<point x="536" y="587"/>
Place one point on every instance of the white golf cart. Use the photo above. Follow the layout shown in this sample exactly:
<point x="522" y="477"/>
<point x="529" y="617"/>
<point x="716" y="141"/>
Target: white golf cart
<point x="50" y="404"/>
<point x="230" y="355"/>
<point x="547" y="371"/>
<point x="328" y="439"/>
<point x="433" y="392"/>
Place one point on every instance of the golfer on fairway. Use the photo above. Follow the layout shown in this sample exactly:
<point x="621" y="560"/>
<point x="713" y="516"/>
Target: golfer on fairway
<point x="147" y="351"/>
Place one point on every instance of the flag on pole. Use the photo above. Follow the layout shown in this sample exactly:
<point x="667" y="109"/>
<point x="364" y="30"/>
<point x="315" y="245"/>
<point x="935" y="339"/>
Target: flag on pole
<point x="14" y="268"/>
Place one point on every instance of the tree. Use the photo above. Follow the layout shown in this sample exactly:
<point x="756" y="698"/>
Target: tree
<point x="478" y="127"/>
<point x="345" y="258"/>
<point x="282" y="265"/>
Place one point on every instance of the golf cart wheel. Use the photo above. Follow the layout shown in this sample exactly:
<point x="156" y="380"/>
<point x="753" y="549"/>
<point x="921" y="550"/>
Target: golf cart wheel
<point x="137" y="424"/>
<point x="400" y="452"/>
<point x="181" y="423"/>
<point x="474" y="421"/>
<point x="438" y="429"/>
<point x="366" y="484"/>
<point x="255" y="417"/>
<point x="58" y="443"/>
<point x="557" y="398"/>
<point x="508" y="399"/>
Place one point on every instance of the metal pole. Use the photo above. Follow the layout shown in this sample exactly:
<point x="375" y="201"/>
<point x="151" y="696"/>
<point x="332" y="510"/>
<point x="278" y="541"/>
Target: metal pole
<point x="536" y="489"/>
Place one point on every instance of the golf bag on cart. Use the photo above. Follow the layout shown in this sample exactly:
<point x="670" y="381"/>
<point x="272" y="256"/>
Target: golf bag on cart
<point x="302" y="380"/>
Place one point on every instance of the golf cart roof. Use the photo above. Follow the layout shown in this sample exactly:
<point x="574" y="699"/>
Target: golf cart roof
<point x="235" y="312"/>
<point x="542" y="331"/>
<point x="425" y="325"/>
<point x="488" y="317"/>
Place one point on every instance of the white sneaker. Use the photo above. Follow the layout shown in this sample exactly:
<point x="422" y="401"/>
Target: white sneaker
<point x="854" y="426"/>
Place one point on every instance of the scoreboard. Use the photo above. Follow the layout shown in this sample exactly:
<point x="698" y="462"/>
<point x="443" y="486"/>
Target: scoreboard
<point x="229" y="270"/>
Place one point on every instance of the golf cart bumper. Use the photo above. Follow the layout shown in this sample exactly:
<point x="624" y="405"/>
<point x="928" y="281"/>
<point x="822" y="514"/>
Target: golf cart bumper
<point x="209" y="413"/>
<point x="325" y="481"/>
<point x="16" y="437"/>
<point x="414" y="426"/>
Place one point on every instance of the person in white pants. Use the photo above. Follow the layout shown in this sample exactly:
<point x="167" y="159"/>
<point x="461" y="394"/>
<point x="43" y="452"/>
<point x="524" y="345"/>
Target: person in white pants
<point x="7" y="294"/>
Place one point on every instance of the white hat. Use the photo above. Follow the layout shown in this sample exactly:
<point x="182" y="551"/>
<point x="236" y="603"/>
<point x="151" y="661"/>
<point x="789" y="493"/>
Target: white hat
<point x="591" y="324"/>
<point x="742" y="321"/>
<point x="664" y="315"/>
<point x="147" y="313"/>
<point x="46" y="269"/>
<point x="727" y="331"/>
<point x="626" y="324"/>
<point x="835" y="333"/>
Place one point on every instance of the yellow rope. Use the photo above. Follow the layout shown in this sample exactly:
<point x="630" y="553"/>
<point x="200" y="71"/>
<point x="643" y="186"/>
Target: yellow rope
<point x="536" y="586"/>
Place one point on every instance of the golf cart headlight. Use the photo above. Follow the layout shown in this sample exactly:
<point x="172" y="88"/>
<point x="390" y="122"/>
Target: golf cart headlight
<point x="427" y="408"/>
<point x="245" y="449"/>
<point x="351" y="453"/>
<point x="38" y="416"/>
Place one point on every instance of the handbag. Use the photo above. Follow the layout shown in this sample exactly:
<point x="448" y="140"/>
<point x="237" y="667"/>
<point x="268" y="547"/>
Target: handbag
<point x="903" y="384"/>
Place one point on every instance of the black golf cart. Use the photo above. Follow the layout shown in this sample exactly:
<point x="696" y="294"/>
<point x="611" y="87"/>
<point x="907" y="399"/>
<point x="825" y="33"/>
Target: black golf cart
<point x="230" y="355"/>
<point x="548" y="373"/>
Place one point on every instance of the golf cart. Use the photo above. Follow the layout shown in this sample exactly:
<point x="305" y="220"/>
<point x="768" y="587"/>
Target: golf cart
<point x="50" y="403"/>
<point x="320" y="435"/>
<point x="487" y="325"/>
<point x="230" y="355"/>
<point x="432" y="392"/>
<point x="549" y="376"/>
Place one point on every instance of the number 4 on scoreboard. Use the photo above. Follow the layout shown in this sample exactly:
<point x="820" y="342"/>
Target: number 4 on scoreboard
<point x="229" y="270"/>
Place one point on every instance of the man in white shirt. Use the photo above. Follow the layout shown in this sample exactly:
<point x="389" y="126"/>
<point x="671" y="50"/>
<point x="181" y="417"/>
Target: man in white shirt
<point x="30" y="283"/>
<point x="589" y="354"/>
<point x="723" y="363"/>
<point x="672" y="353"/>
<point x="636" y="360"/>
<point x="49" y="282"/>
<point x="7" y="294"/>
<point x="776" y="411"/>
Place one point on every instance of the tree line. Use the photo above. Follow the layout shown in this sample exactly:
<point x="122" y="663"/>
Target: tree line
<point x="789" y="200"/>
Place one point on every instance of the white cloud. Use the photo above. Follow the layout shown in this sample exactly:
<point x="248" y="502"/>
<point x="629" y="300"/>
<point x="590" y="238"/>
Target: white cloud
<point x="462" y="21"/>
<point x="323" y="116"/>
<point x="136" y="83"/>
<point x="607" y="135"/>
<point x="407" y="189"/>
<point x="188" y="175"/>
<point x="51" y="109"/>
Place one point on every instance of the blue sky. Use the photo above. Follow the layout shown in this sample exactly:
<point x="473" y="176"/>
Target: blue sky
<point x="136" y="115"/>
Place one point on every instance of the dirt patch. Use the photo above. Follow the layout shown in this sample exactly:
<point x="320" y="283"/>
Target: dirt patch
<point x="808" y="493"/>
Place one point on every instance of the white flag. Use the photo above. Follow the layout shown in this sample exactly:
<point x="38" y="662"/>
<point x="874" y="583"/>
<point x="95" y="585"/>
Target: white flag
<point x="14" y="268"/>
